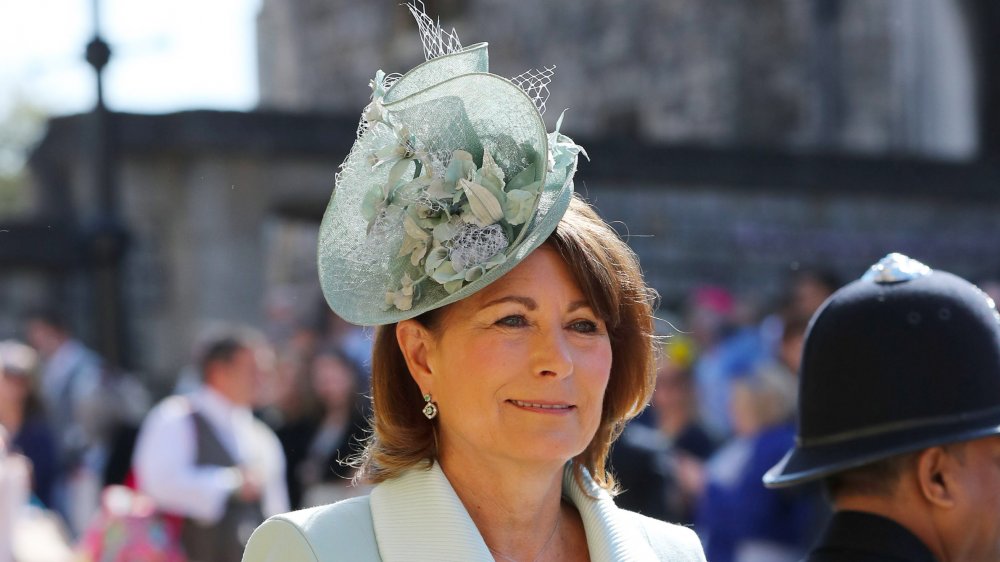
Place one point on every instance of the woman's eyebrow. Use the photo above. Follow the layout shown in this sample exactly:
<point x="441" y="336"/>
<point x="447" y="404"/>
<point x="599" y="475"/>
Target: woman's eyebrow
<point x="526" y="302"/>
<point x="531" y="305"/>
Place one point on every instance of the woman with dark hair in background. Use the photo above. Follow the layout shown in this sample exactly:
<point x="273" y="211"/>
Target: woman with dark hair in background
<point x="21" y="415"/>
<point x="318" y="472"/>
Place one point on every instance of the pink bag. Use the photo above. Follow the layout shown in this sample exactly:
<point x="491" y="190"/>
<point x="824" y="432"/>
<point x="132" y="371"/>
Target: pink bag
<point x="129" y="529"/>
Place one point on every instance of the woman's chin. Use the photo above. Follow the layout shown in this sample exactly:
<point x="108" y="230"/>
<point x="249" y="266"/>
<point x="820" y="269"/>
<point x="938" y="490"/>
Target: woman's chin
<point x="544" y="451"/>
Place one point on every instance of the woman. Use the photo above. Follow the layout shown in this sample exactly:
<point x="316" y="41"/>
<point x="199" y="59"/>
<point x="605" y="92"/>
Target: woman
<point x="740" y="519"/>
<point x="514" y="334"/>
<point x="22" y="417"/>
<point x="317" y="473"/>
<point x="677" y="423"/>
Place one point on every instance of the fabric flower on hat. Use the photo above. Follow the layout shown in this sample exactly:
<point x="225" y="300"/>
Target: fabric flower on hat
<point x="403" y="298"/>
<point x="562" y="149"/>
<point x="521" y="195"/>
<point x="443" y="190"/>
<point x="456" y="227"/>
<point x="375" y="111"/>
<point x="416" y="241"/>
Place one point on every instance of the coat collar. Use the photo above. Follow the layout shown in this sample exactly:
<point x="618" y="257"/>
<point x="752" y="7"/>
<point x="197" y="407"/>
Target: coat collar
<point x="860" y="534"/>
<point x="418" y="516"/>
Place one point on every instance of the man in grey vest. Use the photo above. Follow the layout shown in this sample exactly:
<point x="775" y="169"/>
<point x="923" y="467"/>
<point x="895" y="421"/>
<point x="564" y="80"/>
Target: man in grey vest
<point x="204" y="457"/>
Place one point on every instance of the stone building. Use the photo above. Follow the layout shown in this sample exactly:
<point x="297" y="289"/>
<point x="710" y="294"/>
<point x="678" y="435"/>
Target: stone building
<point x="737" y="138"/>
<point x="732" y="140"/>
<point x="870" y="76"/>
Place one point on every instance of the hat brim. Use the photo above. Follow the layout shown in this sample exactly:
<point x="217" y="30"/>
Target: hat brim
<point x="471" y="59"/>
<point x="484" y="112"/>
<point x="809" y="463"/>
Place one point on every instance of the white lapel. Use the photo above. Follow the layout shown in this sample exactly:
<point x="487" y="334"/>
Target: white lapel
<point x="611" y="535"/>
<point x="418" y="517"/>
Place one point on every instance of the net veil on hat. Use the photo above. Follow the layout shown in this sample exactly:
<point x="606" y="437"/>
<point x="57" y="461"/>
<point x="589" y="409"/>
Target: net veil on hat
<point x="453" y="180"/>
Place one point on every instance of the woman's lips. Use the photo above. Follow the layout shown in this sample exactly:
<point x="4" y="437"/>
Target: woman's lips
<point x="543" y="406"/>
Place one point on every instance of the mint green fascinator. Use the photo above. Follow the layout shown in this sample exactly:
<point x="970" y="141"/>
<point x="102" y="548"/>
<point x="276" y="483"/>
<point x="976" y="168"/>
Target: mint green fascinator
<point x="453" y="180"/>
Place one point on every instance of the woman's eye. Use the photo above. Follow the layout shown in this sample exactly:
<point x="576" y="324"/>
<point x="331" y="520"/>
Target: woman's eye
<point x="512" y="321"/>
<point x="584" y="326"/>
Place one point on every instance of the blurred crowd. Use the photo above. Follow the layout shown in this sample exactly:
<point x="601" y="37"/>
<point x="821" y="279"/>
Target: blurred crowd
<point x="94" y="467"/>
<point x="263" y="418"/>
<point x="722" y="414"/>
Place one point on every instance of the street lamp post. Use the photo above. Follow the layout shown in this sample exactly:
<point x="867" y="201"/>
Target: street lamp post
<point x="106" y="238"/>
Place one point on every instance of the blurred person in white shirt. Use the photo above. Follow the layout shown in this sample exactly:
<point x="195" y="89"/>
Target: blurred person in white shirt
<point x="204" y="456"/>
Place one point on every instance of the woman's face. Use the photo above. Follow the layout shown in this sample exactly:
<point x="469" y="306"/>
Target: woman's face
<point x="742" y="411"/>
<point x="519" y="369"/>
<point x="14" y="389"/>
<point x="673" y="390"/>
<point x="333" y="381"/>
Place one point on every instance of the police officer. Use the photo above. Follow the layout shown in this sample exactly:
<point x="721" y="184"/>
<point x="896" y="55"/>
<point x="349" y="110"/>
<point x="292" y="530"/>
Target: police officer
<point x="899" y="398"/>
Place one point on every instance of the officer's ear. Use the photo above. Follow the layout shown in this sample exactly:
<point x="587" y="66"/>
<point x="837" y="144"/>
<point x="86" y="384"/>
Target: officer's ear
<point x="938" y="474"/>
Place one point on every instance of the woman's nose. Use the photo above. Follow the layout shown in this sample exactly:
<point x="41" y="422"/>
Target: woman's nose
<point x="553" y="354"/>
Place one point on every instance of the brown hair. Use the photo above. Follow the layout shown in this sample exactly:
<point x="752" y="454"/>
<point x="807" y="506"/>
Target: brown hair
<point x="609" y="275"/>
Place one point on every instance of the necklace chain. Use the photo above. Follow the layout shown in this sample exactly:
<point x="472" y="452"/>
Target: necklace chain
<point x="540" y="552"/>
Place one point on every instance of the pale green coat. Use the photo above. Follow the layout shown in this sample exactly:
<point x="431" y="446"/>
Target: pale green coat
<point x="418" y="517"/>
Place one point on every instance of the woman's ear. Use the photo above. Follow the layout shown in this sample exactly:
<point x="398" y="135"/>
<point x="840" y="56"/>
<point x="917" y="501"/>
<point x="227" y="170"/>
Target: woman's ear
<point x="937" y="476"/>
<point x="416" y="341"/>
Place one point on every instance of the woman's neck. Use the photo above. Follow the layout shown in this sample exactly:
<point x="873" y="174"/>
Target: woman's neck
<point x="515" y="506"/>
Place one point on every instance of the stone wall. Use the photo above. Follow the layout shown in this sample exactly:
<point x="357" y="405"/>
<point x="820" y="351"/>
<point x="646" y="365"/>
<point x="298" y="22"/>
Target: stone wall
<point x="223" y="208"/>
<point x="750" y="240"/>
<point x="200" y="243"/>
<point x="857" y="75"/>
